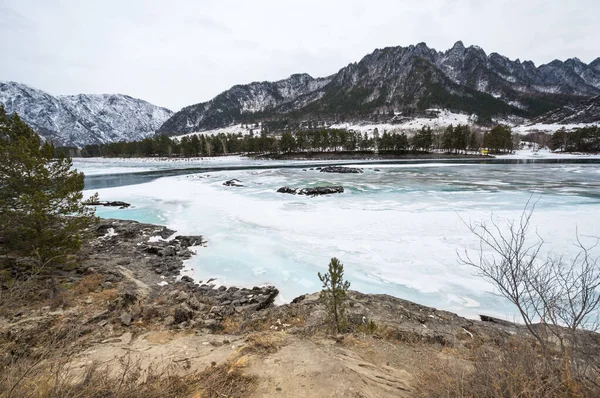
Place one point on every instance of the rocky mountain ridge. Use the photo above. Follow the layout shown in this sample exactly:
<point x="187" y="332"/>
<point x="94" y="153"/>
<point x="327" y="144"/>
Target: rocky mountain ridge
<point x="79" y="120"/>
<point x="402" y="79"/>
<point x="584" y="112"/>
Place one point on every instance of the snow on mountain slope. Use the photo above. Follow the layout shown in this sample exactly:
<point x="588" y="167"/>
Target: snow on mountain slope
<point x="548" y="128"/>
<point x="79" y="120"/>
<point x="442" y="120"/>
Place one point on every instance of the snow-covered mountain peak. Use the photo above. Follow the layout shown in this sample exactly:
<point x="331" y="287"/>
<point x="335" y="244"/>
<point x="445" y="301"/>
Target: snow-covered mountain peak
<point x="82" y="119"/>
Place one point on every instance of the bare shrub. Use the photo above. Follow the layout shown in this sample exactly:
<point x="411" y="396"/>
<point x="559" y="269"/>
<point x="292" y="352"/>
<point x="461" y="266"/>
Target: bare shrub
<point x="555" y="297"/>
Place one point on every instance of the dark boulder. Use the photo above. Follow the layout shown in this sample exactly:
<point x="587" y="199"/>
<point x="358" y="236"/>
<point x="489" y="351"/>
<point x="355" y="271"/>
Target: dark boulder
<point x="168" y="251"/>
<point x="191" y="240"/>
<point x="187" y="279"/>
<point x="233" y="183"/>
<point x="339" y="169"/>
<point x="182" y="314"/>
<point x="287" y="190"/>
<point x="312" y="191"/>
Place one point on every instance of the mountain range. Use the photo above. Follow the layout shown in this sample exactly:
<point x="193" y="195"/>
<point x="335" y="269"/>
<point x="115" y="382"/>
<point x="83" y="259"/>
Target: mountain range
<point x="392" y="80"/>
<point x="79" y="120"/>
<point x="402" y="79"/>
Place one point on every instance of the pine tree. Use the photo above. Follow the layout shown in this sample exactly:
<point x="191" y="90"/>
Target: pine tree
<point x="473" y="142"/>
<point x="42" y="216"/>
<point x="448" y="138"/>
<point x="287" y="143"/>
<point x="333" y="294"/>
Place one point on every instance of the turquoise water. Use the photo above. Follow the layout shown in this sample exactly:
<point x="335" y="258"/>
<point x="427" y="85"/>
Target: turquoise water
<point x="397" y="230"/>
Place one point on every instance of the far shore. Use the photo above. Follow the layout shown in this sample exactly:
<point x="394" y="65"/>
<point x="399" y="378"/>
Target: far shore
<point x="367" y="156"/>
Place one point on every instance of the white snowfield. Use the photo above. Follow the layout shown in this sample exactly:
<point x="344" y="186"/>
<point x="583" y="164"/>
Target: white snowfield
<point x="443" y="119"/>
<point x="235" y="129"/>
<point x="549" y="128"/>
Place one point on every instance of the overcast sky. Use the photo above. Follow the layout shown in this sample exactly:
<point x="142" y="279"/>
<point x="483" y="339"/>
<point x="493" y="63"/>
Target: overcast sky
<point x="180" y="52"/>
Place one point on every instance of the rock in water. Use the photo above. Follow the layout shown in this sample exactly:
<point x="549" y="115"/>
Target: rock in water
<point x="287" y="190"/>
<point x="312" y="191"/>
<point x="233" y="183"/>
<point x="122" y="205"/>
<point x="189" y="240"/>
<point x="339" y="169"/>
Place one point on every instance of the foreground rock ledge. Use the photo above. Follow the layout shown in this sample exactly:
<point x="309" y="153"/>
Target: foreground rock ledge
<point x="312" y="191"/>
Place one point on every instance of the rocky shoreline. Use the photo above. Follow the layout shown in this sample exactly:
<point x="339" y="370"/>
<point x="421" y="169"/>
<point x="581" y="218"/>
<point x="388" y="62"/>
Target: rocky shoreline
<point x="149" y="259"/>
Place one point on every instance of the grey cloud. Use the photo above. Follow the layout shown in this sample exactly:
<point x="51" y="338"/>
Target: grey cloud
<point x="182" y="52"/>
<point x="207" y="23"/>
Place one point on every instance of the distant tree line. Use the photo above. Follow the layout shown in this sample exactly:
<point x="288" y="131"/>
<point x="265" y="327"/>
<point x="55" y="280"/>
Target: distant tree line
<point x="453" y="139"/>
<point x="586" y="139"/>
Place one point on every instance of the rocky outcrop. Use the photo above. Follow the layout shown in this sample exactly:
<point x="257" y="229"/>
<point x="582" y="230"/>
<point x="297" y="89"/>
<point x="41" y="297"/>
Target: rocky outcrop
<point x="204" y="306"/>
<point x="339" y="169"/>
<point x="233" y="183"/>
<point x="144" y="248"/>
<point x="316" y="191"/>
<point x="397" y="319"/>
<point x="150" y="257"/>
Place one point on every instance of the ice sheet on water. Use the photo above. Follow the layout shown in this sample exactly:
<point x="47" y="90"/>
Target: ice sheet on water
<point x="397" y="231"/>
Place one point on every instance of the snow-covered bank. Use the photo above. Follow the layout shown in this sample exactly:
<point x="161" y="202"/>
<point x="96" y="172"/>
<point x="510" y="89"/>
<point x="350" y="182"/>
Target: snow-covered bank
<point x="546" y="154"/>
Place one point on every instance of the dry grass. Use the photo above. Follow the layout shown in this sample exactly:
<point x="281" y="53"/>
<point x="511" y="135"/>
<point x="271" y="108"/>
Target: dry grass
<point x="514" y="369"/>
<point x="263" y="343"/>
<point x="16" y="294"/>
<point x="104" y="297"/>
<point x="58" y="381"/>
<point x="226" y="380"/>
<point x="51" y="376"/>
<point x="90" y="283"/>
<point x="230" y="326"/>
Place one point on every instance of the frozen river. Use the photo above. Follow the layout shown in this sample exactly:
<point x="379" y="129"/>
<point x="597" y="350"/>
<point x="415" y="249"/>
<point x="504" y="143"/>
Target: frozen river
<point x="397" y="229"/>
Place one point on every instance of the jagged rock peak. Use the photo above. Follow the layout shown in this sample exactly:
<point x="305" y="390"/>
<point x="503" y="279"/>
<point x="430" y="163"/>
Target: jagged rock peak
<point x="458" y="46"/>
